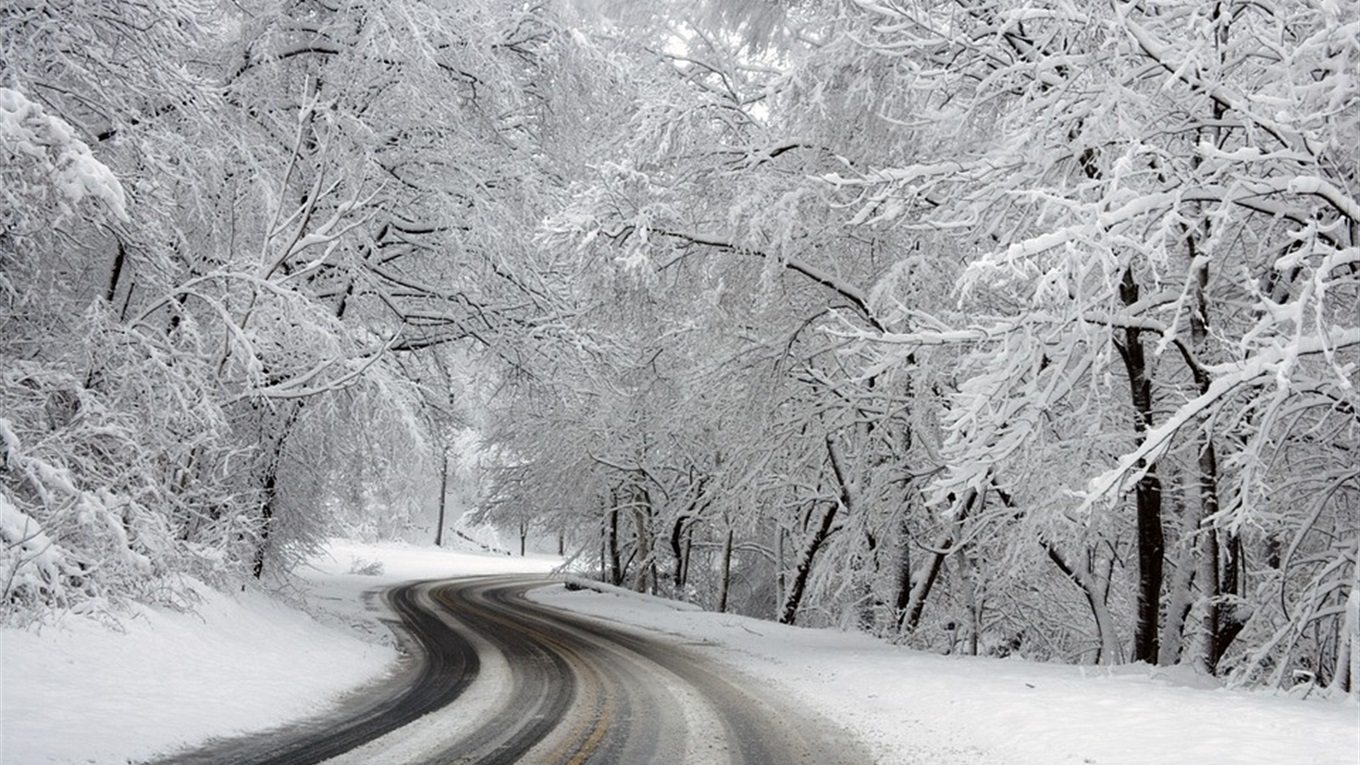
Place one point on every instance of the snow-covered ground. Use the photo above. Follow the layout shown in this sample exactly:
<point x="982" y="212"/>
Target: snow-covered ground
<point x="914" y="708"/>
<point x="78" y="692"/>
<point x="242" y="660"/>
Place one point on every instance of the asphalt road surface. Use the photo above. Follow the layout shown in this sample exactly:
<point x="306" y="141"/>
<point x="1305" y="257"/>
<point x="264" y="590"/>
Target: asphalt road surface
<point x="492" y="678"/>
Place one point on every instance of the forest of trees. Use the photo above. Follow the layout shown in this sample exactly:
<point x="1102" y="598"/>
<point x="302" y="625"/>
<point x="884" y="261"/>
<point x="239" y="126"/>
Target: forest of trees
<point x="995" y="326"/>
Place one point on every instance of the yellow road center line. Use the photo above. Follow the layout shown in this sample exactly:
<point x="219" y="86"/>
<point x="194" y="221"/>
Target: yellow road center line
<point x="599" y="703"/>
<point x="593" y="741"/>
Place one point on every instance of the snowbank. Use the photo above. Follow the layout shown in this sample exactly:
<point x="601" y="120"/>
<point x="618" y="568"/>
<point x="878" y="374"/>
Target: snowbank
<point x="78" y="692"/>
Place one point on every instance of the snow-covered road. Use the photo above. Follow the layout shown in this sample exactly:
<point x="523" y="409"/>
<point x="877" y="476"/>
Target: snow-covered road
<point x="557" y="688"/>
<point x="241" y="663"/>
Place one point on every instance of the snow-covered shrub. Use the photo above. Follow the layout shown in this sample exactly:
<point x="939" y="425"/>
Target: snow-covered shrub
<point x="66" y="540"/>
<point x="35" y="568"/>
<point x="365" y="567"/>
<point x="90" y="509"/>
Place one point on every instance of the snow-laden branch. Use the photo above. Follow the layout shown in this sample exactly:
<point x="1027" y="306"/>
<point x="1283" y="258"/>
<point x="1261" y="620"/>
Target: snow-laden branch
<point x="1189" y="73"/>
<point x="940" y="335"/>
<point x="301" y="385"/>
<point x="27" y="131"/>
<point x="821" y="276"/>
<point x="1318" y="187"/>
<point x="328" y="234"/>
<point x="189" y="289"/>
<point x="1271" y="362"/>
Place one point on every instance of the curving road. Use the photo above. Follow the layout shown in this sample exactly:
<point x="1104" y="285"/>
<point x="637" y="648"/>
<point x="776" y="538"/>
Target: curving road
<point x="497" y="679"/>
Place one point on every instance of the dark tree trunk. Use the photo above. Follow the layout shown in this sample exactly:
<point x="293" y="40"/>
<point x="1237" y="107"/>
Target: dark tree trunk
<point x="678" y="551"/>
<point x="1151" y="551"/>
<point x="916" y="601"/>
<point x="443" y="496"/>
<point x="903" y="597"/>
<point x="269" y="483"/>
<point x="726" y="572"/>
<point x="1148" y="492"/>
<point x="1221" y="565"/>
<point x="789" y="612"/>
<point x="117" y="273"/>
<point x="689" y="551"/>
<point x="612" y="542"/>
<point x="266" y="517"/>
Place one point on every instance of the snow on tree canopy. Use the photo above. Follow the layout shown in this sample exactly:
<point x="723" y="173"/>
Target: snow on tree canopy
<point x="27" y="130"/>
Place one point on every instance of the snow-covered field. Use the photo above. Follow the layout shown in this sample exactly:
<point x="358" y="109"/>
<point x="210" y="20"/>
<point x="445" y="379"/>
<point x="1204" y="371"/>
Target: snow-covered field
<point x="78" y="693"/>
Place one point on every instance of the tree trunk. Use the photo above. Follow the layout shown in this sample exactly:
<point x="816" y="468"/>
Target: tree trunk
<point x="726" y="571"/>
<point x="689" y="552"/>
<point x="868" y="599"/>
<point x="678" y="552"/>
<point x="789" y="611"/>
<point x="266" y="518"/>
<point x="1109" y="652"/>
<point x="1347" y="675"/>
<point x="916" y="602"/>
<point x="642" y="511"/>
<point x="1218" y="564"/>
<point x="1179" y="601"/>
<point x="116" y="273"/>
<point x="269" y="484"/>
<point x="443" y="496"/>
<point x="780" y="579"/>
<point x="903" y="596"/>
<point x="964" y="570"/>
<point x="1148" y="492"/>
<point x="1223" y="622"/>
<point x="612" y="545"/>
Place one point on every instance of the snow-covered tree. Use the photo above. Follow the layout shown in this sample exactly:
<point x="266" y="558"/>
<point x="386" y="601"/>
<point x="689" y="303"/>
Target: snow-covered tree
<point x="1080" y="284"/>
<point x="1151" y="211"/>
<point x="224" y="223"/>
